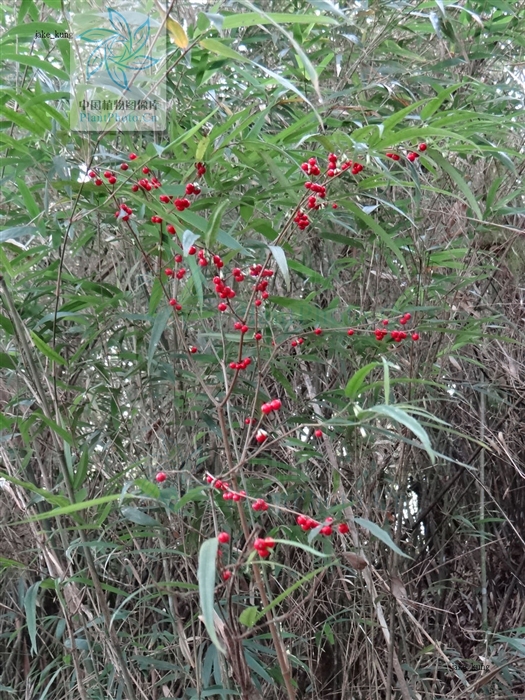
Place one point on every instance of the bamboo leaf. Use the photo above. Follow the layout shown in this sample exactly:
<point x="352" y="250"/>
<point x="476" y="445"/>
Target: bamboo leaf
<point x="206" y="577"/>
<point x="381" y="535"/>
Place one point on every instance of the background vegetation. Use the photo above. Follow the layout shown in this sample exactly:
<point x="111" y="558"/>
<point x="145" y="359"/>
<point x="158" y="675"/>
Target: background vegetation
<point x="111" y="587"/>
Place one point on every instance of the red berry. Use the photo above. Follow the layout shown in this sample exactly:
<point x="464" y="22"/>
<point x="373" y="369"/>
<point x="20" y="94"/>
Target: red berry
<point x="258" y="336"/>
<point x="385" y="322"/>
<point x="276" y="404"/>
<point x="226" y="575"/>
<point x="244" y="329"/>
<point x="133" y="156"/>
<point x="269" y="542"/>
<point x="124" y="166"/>
<point x="350" y="331"/>
<point x="222" y="306"/>
<point x="326" y="530"/>
<point x="318" y="433"/>
<point x="223" y="537"/>
<point x="145" y="170"/>
<point x="98" y="182"/>
<point x="161" y="476"/>
<point x="260" y="437"/>
<point x="170" y="228"/>
<point x="172" y="302"/>
<point x="247" y="421"/>
<point x="422" y="147"/>
<point x="178" y="258"/>
<point x="266" y="408"/>
<point x="343" y="529"/>
<point x="112" y="180"/>
<point x="318" y="331"/>
<point x="415" y="336"/>
<point x="168" y="271"/>
<point x="408" y="316"/>
<point x="192" y="250"/>
<point x="193" y="349"/>
<point x="412" y="156"/>
<point x="403" y="321"/>
<point x="92" y="173"/>
<point x="264" y="553"/>
<point x="258" y="302"/>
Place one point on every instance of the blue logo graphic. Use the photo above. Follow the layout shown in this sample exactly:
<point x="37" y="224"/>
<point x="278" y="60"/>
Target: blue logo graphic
<point x="120" y="50"/>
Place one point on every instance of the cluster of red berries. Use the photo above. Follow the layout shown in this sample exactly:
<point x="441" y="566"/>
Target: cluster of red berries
<point x="263" y="546"/>
<point x="268" y="408"/>
<point x="179" y="274"/>
<point x="228" y="493"/>
<point x="297" y="342"/>
<point x="243" y="364"/>
<point x="302" y="220"/>
<point x="397" y="335"/>
<point x="200" y="168"/>
<point x="306" y="523"/>
<point x="146" y="185"/>
<point x="123" y="212"/>
<point x="240" y="326"/>
<point x="311" y="167"/>
<point x="175" y="304"/>
<point x="411" y="155"/>
<point x="193" y="188"/>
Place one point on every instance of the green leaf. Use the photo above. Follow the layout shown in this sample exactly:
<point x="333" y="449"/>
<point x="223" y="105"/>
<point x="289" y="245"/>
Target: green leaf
<point x="300" y="545"/>
<point x="30" y="608"/>
<point x="377" y="229"/>
<point x="11" y="563"/>
<point x="355" y="383"/>
<point x="458" y="179"/>
<point x="381" y="535"/>
<point x="434" y="104"/>
<point x="46" y="350"/>
<point x="386" y="380"/>
<point x="251" y="19"/>
<point x="280" y="259"/>
<point x="138" y="516"/>
<point x="35" y="62"/>
<point x="17" y="232"/>
<point x="214" y="223"/>
<point x="159" y="325"/>
<point x="249" y="617"/>
<point x="221" y="49"/>
<point x="71" y="508"/>
<point x="148" y="488"/>
<point x="206" y="577"/>
<point x="282" y="596"/>
<point x="398" y="415"/>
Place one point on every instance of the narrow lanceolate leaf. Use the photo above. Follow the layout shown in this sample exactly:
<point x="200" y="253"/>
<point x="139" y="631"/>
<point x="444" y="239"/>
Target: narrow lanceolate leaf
<point x="177" y="33"/>
<point x="355" y="383"/>
<point x="459" y="181"/>
<point x="400" y="416"/>
<point x="214" y="223"/>
<point x="221" y="49"/>
<point x="46" y="350"/>
<point x="280" y="259"/>
<point x="381" y="535"/>
<point x="161" y="321"/>
<point x="30" y="608"/>
<point x="380" y="232"/>
<point x="206" y="579"/>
